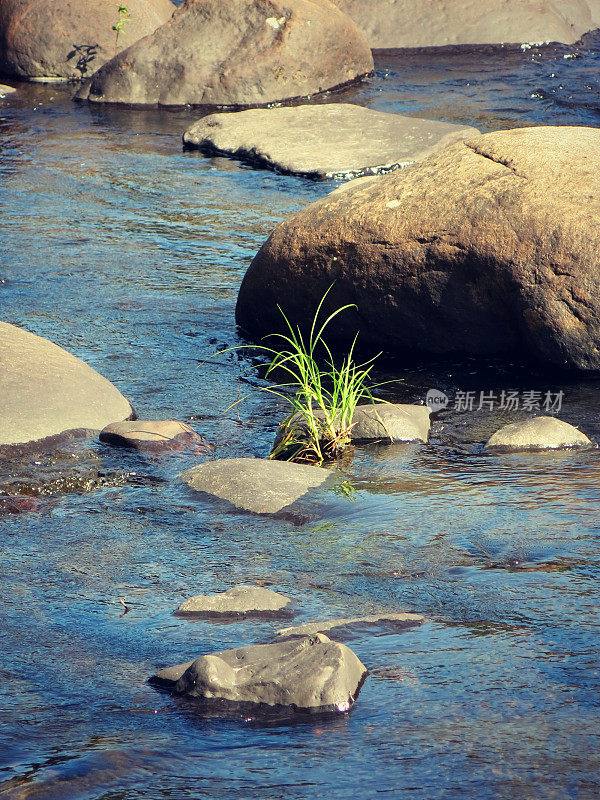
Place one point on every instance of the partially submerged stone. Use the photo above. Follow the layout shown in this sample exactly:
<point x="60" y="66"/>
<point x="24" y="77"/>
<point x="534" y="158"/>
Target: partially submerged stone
<point x="255" y="484"/>
<point x="238" y="601"/>
<point x="311" y="628"/>
<point x="64" y="40"/>
<point x="538" y="433"/>
<point x="323" y="141"/>
<point x="488" y="247"/>
<point x="376" y="422"/>
<point x="238" y="53"/>
<point x="433" y="23"/>
<point x="154" y="435"/>
<point x="5" y="91"/>
<point x="307" y="674"/>
<point x="47" y="392"/>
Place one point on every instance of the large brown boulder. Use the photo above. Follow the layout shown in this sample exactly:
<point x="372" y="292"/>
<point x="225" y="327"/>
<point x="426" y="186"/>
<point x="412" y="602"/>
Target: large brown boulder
<point x="70" y="39"/>
<point x="489" y="247"/>
<point x="46" y="392"/>
<point x="434" y="23"/>
<point x="238" y="53"/>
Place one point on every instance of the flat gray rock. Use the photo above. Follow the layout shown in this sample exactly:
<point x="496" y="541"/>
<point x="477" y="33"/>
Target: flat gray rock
<point x="323" y="141"/>
<point x="539" y="433"/>
<point x="307" y="674"/>
<point x="311" y="628"/>
<point x="240" y="600"/>
<point x="387" y="422"/>
<point x="255" y="484"/>
<point x="164" y="434"/>
<point x="45" y="391"/>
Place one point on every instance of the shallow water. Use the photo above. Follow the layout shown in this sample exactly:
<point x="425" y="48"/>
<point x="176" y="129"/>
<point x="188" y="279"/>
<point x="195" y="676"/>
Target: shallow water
<point x="129" y="252"/>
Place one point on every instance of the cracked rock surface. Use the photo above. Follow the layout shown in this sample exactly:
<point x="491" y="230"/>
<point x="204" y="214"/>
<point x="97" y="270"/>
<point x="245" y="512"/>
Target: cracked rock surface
<point x="489" y="247"/>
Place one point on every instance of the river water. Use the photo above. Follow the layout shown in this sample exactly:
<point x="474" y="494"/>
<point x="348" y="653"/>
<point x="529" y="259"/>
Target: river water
<point x="129" y="252"/>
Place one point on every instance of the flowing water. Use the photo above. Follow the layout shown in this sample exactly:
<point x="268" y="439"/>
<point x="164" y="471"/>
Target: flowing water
<point x="129" y="252"/>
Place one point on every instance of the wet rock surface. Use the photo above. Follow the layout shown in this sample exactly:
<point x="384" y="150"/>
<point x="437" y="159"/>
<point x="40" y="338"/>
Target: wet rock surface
<point x="307" y="674"/>
<point x="69" y="41"/>
<point x="437" y="23"/>
<point x="335" y="625"/>
<point x="238" y="601"/>
<point x="239" y="53"/>
<point x="488" y="248"/>
<point x="5" y="91"/>
<point x="255" y="484"/>
<point x="385" y="422"/>
<point x="153" y="435"/>
<point x="323" y="141"/>
<point x="539" y="433"/>
<point x="47" y="392"/>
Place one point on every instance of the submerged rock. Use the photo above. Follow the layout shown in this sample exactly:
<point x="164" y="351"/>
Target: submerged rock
<point x="433" y="23"/>
<point x="61" y="39"/>
<point x="238" y="53"/>
<point x="238" y="601"/>
<point x="323" y="141"/>
<point x="311" y="628"/>
<point x="539" y="433"/>
<point x="307" y="674"/>
<point x="165" y="434"/>
<point x="47" y="392"/>
<point x="388" y="422"/>
<point x="255" y="484"/>
<point x="488" y="247"/>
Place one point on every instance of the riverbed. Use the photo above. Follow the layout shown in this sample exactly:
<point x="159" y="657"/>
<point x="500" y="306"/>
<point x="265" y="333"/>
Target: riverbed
<point x="129" y="252"/>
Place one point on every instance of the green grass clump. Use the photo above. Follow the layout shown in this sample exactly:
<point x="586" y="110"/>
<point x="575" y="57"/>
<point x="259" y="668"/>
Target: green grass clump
<point x="324" y="396"/>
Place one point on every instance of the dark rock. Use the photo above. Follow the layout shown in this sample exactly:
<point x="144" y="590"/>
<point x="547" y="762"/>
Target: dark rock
<point x="307" y="674"/>
<point x="388" y="422"/>
<point x="323" y="141"/>
<point x="47" y="392"/>
<point x="152" y="435"/>
<point x="238" y="53"/>
<point x="432" y="23"/>
<point x="238" y="601"/>
<point x="538" y="433"/>
<point x="62" y="39"/>
<point x="488" y="247"/>
<point x="311" y="628"/>
<point x="255" y="484"/>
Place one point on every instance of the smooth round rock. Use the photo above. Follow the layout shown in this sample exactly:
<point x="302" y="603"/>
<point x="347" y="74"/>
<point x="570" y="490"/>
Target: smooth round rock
<point x="437" y="23"/>
<point x="47" y="392"/>
<point x="386" y="422"/>
<point x="323" y="141"/>
<point x="255" y="484"/>
<point x="152" y="435"/>
<point x="67" y="40"/>
<point x="489" y="247"/>
<point x="238" y="601"/>
<point x="538" y="433"/>
<point x="305" y="674"/>
<point x="237" y="53"/>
